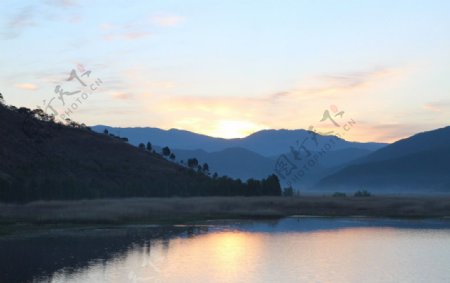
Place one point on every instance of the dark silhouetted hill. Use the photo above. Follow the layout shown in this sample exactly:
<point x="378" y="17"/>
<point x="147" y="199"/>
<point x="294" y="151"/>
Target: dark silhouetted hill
<point x="40" y="159"/>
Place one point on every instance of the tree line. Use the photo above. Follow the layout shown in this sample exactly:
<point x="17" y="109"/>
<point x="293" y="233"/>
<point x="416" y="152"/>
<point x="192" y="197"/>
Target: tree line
<point x="70" y="188"/>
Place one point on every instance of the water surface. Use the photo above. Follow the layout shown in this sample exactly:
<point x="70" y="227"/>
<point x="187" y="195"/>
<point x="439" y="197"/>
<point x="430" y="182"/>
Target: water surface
<point x="287" y="250"/>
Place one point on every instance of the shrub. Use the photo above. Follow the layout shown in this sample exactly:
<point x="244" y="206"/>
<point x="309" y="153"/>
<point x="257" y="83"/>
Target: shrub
<point x="288" y="192"/>
<point x="166" y="151"/>
<point x="362" y="193"/>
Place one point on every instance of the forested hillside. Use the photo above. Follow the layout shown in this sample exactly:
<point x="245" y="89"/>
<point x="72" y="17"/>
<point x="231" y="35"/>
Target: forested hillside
<point x="43" y="159"/>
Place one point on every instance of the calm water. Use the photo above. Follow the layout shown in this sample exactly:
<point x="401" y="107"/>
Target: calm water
<point x="288" y="250"/>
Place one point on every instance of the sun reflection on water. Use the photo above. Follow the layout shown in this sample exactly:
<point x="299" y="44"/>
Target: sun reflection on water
<point x="352" y="254"/>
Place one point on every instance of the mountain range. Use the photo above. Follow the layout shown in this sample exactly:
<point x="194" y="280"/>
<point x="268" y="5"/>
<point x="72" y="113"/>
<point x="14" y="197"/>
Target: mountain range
<point x="254" y="156"/>
<point x="418" y="163"/>
<point x="268" y="143"/>
<point x="42" y="159"/>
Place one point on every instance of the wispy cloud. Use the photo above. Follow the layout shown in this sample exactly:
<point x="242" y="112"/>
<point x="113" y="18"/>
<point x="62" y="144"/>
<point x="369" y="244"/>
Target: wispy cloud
<point x="23" y="19"/>
<point x="26" y="86"/>
<point x="107" y="26"/>
<point x="340" y="84"/>
<point x="123" y="32"/>
<point x="32" y="15"/>
<point x="63" y="3"/>
<point x="137" y="29"/>
<point x="167" y="20"/>
<point x="387" y="132"/>
<point x="122" y="95"/>
<point x="126" y="36"/>
<point x="297" y="108"/>
<point x="437" y="106"/>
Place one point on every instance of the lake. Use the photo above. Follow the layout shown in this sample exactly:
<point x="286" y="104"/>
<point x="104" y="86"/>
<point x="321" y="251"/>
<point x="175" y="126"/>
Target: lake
<point x="294" y="249"/>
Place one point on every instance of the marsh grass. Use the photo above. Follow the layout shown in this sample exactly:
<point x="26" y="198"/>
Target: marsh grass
<point x="182" y="210"/>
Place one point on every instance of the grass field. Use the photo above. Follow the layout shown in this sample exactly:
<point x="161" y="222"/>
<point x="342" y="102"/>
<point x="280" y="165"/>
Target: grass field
<point x="182" y="210"/>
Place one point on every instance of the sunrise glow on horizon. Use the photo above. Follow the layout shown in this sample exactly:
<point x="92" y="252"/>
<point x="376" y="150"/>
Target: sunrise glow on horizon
<point x="229" y="69"/>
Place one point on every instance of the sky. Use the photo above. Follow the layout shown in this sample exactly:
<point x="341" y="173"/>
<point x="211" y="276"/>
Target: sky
<point x="231" y="68"/>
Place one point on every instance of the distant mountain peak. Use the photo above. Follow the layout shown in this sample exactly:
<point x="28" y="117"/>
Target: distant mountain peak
<point x="267" y="142"/>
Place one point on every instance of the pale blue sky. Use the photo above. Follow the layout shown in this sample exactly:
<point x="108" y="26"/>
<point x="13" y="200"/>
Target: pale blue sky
<point x="228" y="68"/>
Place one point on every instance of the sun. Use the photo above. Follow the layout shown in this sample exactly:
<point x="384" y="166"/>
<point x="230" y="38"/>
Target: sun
<point x="234" y="129"/>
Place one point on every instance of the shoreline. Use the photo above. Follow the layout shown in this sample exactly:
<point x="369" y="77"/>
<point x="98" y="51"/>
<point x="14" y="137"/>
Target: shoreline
<point x="48" y="215"/>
